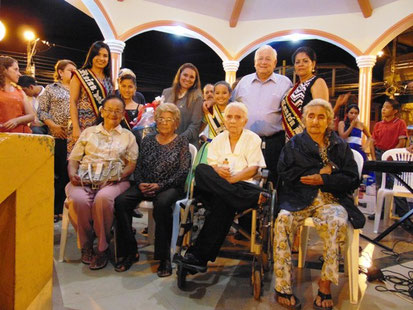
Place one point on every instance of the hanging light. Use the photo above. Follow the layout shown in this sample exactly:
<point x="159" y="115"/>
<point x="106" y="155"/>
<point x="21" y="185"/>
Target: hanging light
<point x="2" y="30"/>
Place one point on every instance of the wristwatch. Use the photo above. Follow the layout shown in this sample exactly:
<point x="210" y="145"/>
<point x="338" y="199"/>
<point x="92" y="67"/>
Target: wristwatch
<point x="334" y="167"/>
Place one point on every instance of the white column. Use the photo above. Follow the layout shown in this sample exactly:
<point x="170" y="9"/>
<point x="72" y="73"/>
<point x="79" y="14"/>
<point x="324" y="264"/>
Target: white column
<point x="366" y="64"/>
<point x="230" y="68"/>
<point x="116" y="50"/>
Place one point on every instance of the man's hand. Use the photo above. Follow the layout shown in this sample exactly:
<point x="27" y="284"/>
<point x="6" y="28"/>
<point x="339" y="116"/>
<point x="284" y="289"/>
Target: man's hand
<point x="223" y="172"/>
<point x="410" y="148"/>
<point x="314" y="179"/>
<point x="207" y="105"/>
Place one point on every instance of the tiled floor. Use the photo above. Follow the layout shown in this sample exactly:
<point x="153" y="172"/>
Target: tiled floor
<point x="226" y="285"/>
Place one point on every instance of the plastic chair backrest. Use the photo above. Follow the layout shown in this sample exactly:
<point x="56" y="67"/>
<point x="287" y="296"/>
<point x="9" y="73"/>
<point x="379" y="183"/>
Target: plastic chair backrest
<point x="359" y="160"/>
<point x="193" y="151"/>
<point x="400" y="154"/>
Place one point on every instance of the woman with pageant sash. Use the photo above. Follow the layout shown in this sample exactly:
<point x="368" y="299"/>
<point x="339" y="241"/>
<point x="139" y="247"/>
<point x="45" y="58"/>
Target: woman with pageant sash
<point x="214" y="117"/>
<point x="308" y="87"/>
<point x="88" y="87"/>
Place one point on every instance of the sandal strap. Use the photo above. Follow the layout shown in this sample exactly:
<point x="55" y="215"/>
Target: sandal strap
<point x="283" y="295"/>
<point x="324" y="296"/>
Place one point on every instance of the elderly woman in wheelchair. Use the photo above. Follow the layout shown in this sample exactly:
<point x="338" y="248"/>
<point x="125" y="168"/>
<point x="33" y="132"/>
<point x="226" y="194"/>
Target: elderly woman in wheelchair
<point x="225" y="185"/>
<point x="99" y="166"/>
<point x="319" y="174"/>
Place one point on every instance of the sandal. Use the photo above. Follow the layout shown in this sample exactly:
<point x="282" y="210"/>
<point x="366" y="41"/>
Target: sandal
<point x="165" y="268"/>
<point x="323" y="297"/>
<point x="126" y="262"/>
<point x="297" y="305"/>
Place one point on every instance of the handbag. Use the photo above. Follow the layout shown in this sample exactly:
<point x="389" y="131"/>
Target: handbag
<point x="98" y="174"/>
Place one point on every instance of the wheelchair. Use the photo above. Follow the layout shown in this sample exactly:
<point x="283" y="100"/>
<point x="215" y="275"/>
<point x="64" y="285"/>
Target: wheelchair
<point x="193" y="215"/>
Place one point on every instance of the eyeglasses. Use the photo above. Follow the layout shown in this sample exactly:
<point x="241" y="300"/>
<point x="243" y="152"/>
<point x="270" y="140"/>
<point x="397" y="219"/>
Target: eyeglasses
<point x="166" y="120"/>
<point x="116" y="112"/>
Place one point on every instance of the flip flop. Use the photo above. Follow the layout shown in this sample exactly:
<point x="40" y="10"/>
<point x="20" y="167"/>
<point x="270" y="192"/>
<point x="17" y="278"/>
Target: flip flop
<point x="297" y="305"/>
<point x="323" y="297"/>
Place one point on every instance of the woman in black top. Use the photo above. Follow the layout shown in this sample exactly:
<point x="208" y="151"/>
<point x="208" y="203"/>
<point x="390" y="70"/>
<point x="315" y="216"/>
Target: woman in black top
<point x="160" y="175"/>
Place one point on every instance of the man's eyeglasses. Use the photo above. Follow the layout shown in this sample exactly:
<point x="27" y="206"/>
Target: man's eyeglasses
<point x="116" y="112"/>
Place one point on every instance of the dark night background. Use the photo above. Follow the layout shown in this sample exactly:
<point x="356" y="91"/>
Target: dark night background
<point x="153" y="56"/>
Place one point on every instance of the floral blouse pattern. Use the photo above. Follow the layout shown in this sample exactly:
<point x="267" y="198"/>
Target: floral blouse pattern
<point x="54" y="104"/>
<point x="168" y="165"/>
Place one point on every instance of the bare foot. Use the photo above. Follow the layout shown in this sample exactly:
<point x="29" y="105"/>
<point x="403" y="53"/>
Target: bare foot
<point x="286" y="301"/>
<point x="324" y="287"/>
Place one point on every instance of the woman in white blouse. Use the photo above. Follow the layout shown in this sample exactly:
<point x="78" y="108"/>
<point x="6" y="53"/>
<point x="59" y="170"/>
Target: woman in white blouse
<point x="93" y="203"/>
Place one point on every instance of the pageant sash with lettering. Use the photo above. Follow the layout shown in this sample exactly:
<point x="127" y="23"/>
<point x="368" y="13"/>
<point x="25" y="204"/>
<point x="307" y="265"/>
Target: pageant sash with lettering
<point x="94" y="89"/>
<point x="291" y="116"/>
<point x="215" y="121"/>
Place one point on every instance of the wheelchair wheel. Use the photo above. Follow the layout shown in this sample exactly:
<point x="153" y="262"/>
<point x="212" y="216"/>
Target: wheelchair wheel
<point x="181" y="272"/>
<point x="256" y="282"/>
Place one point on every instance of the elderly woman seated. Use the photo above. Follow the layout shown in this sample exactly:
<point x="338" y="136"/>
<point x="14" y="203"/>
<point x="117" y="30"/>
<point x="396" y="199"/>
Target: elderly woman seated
<point x="99" y="166"/>
<point x="224" y="185"/>
<point x="163" y="166"/>
<point x="319" y="175"/>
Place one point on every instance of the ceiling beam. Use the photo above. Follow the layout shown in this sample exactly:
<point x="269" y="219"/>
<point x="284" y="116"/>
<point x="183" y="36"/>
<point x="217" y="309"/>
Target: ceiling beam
<point x="365" y="7"/>
<point x="236" y="11"/>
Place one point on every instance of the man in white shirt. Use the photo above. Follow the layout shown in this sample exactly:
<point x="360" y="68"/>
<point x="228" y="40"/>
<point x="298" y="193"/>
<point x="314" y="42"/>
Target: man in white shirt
<point x="225" y="185"/>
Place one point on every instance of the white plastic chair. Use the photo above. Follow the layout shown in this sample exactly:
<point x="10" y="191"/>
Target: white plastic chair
<point x="148" y="207"/>
<point x="351" y="265"/>
<point x="65" y="226"/>
<point x="385" y="194"/>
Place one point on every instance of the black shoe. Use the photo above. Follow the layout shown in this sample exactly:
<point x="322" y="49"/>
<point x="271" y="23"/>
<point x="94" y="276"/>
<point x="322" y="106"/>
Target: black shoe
<point x="372" y="216"/>
<point x="191" y="262"/>
<point x="165" y="268"/>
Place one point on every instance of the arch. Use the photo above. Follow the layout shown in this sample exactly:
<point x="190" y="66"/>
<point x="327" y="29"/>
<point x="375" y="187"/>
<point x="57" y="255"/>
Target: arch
<point x="102" y="18"/>
<point x="389" y="35"/>
<point x="307" y="33"/>
<point x="198" y="33"/>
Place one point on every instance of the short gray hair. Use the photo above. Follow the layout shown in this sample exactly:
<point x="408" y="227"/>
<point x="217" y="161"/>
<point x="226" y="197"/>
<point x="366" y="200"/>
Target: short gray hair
<point x="327" y="107"/>
<point x="237" y="104"/>
<point x="266" y="47"/>
<point x="168" y="107"/>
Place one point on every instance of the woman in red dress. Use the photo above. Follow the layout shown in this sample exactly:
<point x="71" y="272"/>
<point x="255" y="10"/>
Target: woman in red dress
<point x="15" y="111"/>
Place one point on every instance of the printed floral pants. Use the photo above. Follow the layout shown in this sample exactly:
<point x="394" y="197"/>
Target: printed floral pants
<point x="331" y="223"/>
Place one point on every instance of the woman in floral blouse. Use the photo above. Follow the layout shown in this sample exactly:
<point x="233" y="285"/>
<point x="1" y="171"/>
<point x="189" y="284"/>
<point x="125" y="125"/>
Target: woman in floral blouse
<point x="54" y="112"/>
